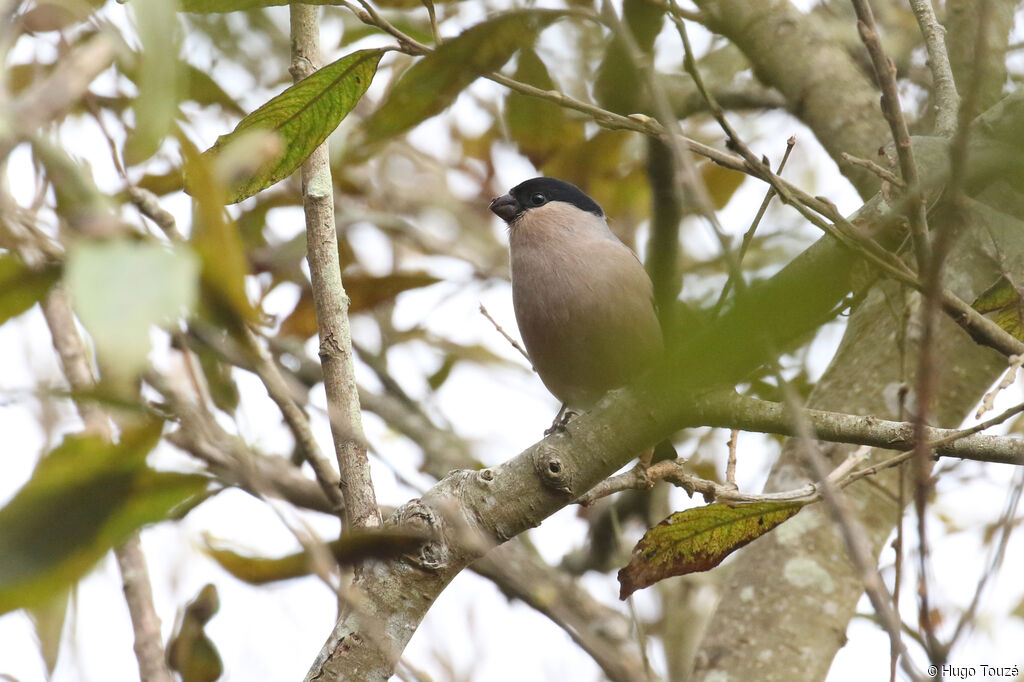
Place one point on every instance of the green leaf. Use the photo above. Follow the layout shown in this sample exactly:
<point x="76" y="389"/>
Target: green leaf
<point x="159" y="78"/>
<point x="301" y="118"/>
<point x="120" y="289"/>
<point x="21" y="287"/>
<point x="432" y="83"/>
<point x="84" y="497"/>
<point x="699" y="539"/>
<point x="1003" y="298"/>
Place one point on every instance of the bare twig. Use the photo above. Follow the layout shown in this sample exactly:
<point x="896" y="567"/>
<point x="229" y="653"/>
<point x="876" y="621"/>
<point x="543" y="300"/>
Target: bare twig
<point x="149" y="206"/>
<point x="947" y="101"/>
<point x="296" y="418"/>
<point x="885" y="71"/>
<point x="748" y="236"/>
<point x="883" y="173"/>
<point x="988" y="401"/>
<point x="515" y="344"/>
<point x="730" y="466"/>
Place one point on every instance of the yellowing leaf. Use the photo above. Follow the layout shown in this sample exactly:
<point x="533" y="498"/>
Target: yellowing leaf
<point x="721" y="182"/>
<point x="83" y="498"/>
<point x="301" y="118"/>
<point x="699" y="539"/>
<point x="539" y="127"/>
<point x="432" y="83"/>
<point x="1003" y="299"/>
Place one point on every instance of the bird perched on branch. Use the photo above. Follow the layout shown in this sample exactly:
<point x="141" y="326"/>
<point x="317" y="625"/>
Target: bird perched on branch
<point x="583" y="301"/>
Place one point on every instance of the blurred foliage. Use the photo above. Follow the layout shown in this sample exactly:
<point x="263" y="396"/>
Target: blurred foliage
<point x="84" y="497"/>
<point x="411" y="210"/>
<point x="191" y="653"/>
<point x="122" y="288"/>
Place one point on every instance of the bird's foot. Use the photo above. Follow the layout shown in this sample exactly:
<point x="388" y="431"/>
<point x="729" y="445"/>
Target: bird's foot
<point x="558" y="426"/>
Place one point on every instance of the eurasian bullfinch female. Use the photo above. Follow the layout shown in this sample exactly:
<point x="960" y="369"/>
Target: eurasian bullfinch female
<point x="583" y="302"/>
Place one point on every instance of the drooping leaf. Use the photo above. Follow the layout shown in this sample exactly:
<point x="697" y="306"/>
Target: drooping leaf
<point x="191" y="652"/>
<point x="437" y="379"/>
<point x="84" y="497"/>
<point x="1003" y="298"/>
<point x="120" y="289"/>
<point x="159" y="77"/>
<point x="21" y="286"/>
<point x="352" y="547"/>
<point x="432" y="83"/>
<point x="301" y="118"/>
<point x="699" y="539"/>
<point x="48" y="622"/>
<point x="204" y="90"/>
<point x="219" y="245"/>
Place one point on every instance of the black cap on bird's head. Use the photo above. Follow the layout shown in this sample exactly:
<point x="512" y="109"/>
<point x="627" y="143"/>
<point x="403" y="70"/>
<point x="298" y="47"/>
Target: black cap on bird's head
<point x="536" y="192"/>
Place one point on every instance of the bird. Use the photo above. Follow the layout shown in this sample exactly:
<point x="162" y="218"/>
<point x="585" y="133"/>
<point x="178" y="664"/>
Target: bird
<point x="583" y="302"/>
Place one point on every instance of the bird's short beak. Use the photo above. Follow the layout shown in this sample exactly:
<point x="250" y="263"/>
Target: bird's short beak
<point x="506" y="207"/>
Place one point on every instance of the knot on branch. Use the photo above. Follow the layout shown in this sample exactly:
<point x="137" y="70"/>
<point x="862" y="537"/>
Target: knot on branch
<point x="553" y="472"/>
<point x="432" y="554"/>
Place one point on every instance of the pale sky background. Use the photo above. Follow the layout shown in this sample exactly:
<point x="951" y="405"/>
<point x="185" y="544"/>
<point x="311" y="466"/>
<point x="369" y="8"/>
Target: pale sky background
<point x="273" y="632"/>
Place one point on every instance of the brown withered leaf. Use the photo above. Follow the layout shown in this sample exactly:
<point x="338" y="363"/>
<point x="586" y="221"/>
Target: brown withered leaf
<point x="365" y="292"/>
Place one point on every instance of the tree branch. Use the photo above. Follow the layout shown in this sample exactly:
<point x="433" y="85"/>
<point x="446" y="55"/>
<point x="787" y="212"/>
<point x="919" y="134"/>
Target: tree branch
<point x="330" y="299"/>
<point x="149" y="650"/>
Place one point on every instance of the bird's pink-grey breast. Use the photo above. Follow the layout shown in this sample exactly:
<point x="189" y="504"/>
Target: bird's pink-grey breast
<point x="582" y="300"/>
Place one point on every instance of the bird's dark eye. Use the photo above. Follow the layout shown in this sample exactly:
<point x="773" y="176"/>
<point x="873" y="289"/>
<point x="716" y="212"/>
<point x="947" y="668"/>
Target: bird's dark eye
<point x="538" y="199"/>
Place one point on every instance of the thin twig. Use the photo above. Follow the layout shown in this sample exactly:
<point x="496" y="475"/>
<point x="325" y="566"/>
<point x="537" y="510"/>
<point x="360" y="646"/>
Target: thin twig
<point x="748" y="236"/>
<point x="883" y="173"/>
<point x="988" y="401"/>
<point x="730" y="466"/>
<point x="149" y="206"/>
<point x="298" y="421"/>
<point x="515" y="344"/>
<point x="947" y="101"/>
<point x="885" y="71"/>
